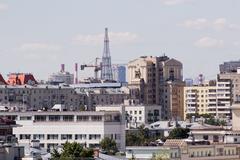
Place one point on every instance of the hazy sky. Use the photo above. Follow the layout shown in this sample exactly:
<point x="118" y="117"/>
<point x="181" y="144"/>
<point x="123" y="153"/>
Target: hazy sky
<point x="38" y="35"/>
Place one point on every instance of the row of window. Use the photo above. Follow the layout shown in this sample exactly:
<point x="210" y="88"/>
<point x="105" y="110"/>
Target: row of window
<point x="209" y="153"/>
<point x="62" y="137"/>
<point x="66" y="118"/>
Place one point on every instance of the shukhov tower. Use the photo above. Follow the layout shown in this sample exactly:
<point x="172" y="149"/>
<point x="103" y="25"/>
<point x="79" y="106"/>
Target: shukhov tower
<point x="106" y="72"/>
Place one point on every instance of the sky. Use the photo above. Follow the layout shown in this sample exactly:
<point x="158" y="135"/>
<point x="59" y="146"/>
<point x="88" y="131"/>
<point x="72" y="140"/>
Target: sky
<point x="37" y="36"/>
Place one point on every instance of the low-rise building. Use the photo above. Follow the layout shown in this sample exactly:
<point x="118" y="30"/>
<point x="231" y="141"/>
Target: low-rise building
<point x="55" y="128"/>
<point x="174" y="149"/>
<point x="9" y="149"/>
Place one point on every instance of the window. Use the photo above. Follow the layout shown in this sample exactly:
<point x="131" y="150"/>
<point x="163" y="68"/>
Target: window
<point x="25" y="118"/>
<point x="156" y="112"/>
<point x="54" y="118"/>
<point x="52" y="136"/>
<point x="96" y="118"/>
<point x="82" y="118"/>
<point x="66" y="136"/>
<point x="80" y="136"/>
<point x="38" y="136"/>
<point x="68" y="118"/>
<point x="25" y="136"/>
<point x="94" y="136"/>
<point x="135" y="112"/>
<point x="40" y="118"/>
<point x="205" y="137"/>
<point x="140" y="112"/>
<point x="215" y="138"/>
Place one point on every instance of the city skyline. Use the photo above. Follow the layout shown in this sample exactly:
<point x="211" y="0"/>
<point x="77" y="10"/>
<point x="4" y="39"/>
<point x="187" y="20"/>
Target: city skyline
<point x="56" y="32"/>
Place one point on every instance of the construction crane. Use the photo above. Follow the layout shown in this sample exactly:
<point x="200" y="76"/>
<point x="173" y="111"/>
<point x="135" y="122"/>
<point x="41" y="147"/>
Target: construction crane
<point x="97" y="67"/>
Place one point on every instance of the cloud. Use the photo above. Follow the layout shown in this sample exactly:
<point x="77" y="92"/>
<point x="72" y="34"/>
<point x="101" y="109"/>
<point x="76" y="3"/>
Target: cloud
<point x="199" y="23"/>
<point x="3" y="7"/>
<point x="115" y="38"/>
<point x="237" y="43"/>
<point x="203" y="23"/>
<point x="39" y="47"/>
<point x="175" y="2"/>
<point x="208" y="42"/>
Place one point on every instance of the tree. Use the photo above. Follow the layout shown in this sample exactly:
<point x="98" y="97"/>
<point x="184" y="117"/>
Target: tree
<point x="72" y="151"/>
<point x="141" y="137"/>
<point x="161" y="156"/>
<point x="179" y="133"/>
<point x="215" y="122"/>
<point x="109" y="145"/>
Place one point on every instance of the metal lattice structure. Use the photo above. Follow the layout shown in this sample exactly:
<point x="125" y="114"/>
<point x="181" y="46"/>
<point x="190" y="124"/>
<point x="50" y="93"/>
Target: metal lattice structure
<point x="106" y="72"/>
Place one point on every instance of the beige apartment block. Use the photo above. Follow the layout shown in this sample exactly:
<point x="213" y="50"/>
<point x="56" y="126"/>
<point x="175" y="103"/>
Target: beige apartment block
<point x="234" y="77"/>
<point x="158" y="80"/>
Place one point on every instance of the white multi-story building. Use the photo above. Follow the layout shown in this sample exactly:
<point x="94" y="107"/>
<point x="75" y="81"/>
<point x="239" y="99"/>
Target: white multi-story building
<point x="136" y="114"/>
<point x="55" y="128"/>
<point x="212" y="99"/>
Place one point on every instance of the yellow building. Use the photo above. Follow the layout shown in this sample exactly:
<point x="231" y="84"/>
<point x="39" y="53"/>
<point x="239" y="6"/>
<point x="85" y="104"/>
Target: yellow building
<point x="208" y="99"/>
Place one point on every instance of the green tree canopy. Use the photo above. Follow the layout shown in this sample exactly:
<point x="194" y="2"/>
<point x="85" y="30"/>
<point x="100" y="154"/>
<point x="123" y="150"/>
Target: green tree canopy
<point x="179" y="133"/>
<point x="72" y="151"/>
<point x="109" y="145"/>
<point x="215" y="122"/>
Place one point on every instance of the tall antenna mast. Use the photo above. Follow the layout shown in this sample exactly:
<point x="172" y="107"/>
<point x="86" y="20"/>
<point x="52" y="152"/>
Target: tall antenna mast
<point x="106" y="72"/>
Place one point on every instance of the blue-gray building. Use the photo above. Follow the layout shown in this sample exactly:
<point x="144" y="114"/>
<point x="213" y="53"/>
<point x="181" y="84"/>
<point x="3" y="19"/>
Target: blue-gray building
<point x="119" y="73"/>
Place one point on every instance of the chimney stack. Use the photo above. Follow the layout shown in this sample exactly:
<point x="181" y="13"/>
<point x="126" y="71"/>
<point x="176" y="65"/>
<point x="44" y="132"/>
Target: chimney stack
<point x="76" y="73"/>
<point x="62" y="68"/>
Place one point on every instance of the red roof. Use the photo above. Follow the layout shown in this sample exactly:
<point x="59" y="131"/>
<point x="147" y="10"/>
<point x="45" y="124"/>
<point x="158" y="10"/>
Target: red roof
<point x="2" y="81"/>
<point x="21" y="79"/>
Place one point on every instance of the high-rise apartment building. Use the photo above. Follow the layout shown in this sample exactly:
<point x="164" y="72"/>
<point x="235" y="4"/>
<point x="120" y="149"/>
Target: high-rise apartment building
<point x="234" y="78"/>
<point x="159" y="81"/>
<point x="214" y="99"/>
<point x="230" y="66"/>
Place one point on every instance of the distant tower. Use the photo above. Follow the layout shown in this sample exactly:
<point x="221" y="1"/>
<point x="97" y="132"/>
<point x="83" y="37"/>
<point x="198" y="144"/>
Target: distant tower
<point x="106" y="72"/>
<point x="76" y="74"/>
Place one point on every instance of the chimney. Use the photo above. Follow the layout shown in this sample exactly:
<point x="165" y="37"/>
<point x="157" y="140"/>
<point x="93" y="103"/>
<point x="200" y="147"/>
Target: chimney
<point x="62" y="68"/>
<point x="76" y="73"/>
